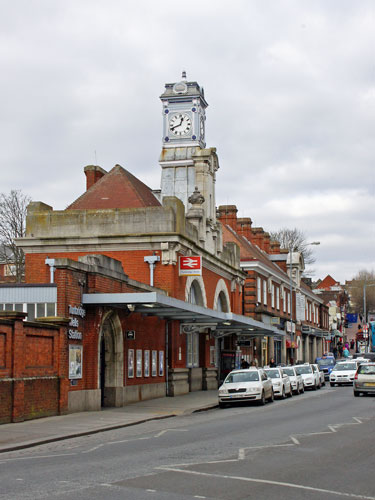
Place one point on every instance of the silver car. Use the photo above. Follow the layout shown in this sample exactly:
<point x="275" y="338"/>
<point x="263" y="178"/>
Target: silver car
<point x="295" y="379"/>
<point x="364" y="379"/>
<point x="250" y="384"/>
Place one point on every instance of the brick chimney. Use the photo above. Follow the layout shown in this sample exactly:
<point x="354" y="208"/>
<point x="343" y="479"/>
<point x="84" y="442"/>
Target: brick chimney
<point x="93" y="174"/>
<point x="244" y="227"/>
<point x="266" y="242"/>
<point x="227" y="214"/>
<point x="257" y="236"/>
<point x="274" y="247"/>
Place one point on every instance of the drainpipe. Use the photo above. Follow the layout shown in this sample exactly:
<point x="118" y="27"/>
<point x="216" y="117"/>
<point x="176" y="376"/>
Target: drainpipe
<point x="151" y="261"/>
<point x="166" y="357"/>
<point x="52" y="269"/>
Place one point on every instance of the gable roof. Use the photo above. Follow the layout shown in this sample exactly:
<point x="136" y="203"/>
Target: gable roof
<point x="327" y="282"/>
<point x="116" y="189"/>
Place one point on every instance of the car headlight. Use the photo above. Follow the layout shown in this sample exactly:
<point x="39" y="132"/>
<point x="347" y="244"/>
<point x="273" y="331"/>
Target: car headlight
<point x="309" y="379"/>
<point x="278" y="384"/>
<point x="223" y="391"/>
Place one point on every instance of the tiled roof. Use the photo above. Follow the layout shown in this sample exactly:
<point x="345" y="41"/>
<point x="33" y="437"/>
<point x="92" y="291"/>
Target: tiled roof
<point x="249" y="251"/>
<point x="116" y="189"/>
<point x="327" y="282"/>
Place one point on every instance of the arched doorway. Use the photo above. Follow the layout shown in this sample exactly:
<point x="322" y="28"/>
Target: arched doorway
<point x="111" y="361"/>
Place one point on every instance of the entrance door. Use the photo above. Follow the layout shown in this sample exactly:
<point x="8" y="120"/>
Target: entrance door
<point x="102" y="370"/>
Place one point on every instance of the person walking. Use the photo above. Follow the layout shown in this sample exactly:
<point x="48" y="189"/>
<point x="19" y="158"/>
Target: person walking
<point x="346" y="352"/>
<point x="272" y="363"/>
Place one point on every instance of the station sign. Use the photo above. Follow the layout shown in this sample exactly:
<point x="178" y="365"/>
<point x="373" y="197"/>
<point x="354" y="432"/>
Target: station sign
<point x="190" y="266"/>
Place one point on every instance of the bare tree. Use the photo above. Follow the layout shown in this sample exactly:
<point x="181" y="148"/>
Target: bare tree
<point x="364" y="279"/>
<point x="13" y="225"/>
<point x="294" y="239"/>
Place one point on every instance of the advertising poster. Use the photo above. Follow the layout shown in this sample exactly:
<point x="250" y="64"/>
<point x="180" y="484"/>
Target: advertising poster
<point x="130" y="363"/>
<point x="147" y="363"/>
<point x="161" y="363"/>
<point x="139" y="362"/>
<point x="154" y="363"/>
<point x="75" y="361"/>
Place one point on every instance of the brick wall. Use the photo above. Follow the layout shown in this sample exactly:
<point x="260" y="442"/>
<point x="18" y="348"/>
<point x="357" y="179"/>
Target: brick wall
<point x="33" y="375"/>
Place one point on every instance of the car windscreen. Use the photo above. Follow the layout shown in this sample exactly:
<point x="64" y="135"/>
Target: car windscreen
<point x="273" y="373"/>
<point x="289" y="371"/>
<point x="326" y="362"/>
<point x="366" y="370"/>
<point x="345" y="366"/>
<point x="233" y="378"/>
<point x="301" y="370"/>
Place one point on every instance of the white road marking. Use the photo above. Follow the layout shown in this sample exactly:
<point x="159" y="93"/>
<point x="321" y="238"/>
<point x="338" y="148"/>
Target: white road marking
<point x="3" y="461"/>
<point x="151" y="491"/>
<point x="167" y="430"/>
<point x="267" y="481"/>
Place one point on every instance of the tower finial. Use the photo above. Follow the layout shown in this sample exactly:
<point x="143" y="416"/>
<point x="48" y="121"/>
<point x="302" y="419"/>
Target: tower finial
<point x="184" y="75"/>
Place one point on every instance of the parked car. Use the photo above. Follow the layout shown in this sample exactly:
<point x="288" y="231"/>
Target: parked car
<point x="343" y="373"/>
<point x="280" y="381"/>
<point x="368" y="355"/>
<point x="295" y="379"/>
<point x="322" y="380"/>
<point x="326" y="363"/>
<point x="364" y="379"/>
<point x="311" y="378"/>
<point x="251" y="384"/>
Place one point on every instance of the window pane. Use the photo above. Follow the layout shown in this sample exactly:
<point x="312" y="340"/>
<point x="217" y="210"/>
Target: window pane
<point x="18" y="307"/>
<point x="40" y="310"/>
<point x="51" y="310"/>
<point x="30" y="312"/>
<point x="9" y="307"/>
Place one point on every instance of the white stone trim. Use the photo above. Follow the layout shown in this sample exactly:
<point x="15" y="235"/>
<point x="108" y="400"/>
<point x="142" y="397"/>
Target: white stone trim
<point x="200" y="282"/>
<point x="221" y="287"/>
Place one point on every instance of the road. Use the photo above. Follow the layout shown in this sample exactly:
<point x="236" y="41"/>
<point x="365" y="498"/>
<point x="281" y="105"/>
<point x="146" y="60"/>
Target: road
<point x="319" y="445"/>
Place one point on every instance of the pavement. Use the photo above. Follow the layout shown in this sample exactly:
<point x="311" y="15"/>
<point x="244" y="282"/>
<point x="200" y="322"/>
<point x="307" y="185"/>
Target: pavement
<point x="31" y="433"/>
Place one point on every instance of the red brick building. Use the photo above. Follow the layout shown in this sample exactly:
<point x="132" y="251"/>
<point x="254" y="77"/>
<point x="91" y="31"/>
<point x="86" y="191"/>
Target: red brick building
<point x="141" y="324"/>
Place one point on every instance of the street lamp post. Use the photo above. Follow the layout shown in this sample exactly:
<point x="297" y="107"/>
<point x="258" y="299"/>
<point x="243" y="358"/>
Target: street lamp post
<point x="291" y="287"/>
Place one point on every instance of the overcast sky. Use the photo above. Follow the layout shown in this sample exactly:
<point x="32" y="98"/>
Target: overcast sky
<point x="291" y="93"/>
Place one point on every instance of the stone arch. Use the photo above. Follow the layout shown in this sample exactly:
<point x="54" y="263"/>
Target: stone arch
<point x="198" y="283"/>
<point x="111" y="360"/>
<point x="221" y="298"/>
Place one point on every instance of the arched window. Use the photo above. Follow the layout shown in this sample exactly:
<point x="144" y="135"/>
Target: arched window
<point x="222" y="304"/>
<point x="195" y="294"/>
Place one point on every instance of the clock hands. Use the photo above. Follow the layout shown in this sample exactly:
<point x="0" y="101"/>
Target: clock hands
<point x="178" y="124"/>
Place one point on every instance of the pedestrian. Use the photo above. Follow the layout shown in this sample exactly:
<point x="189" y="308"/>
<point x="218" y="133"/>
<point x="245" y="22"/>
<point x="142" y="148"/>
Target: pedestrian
<point x="346" y="352"/>
<point x="352" y="344"/>
<point x="272" y="363"/>
<point x="334" y="351"/>
<point x="244" y="364"/>
<point x="346" y="345"/>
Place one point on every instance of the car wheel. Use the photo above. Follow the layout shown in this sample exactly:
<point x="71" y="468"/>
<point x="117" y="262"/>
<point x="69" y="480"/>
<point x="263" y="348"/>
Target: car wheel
<point x="319" y="385"/>
<point x="290" y="392"/>
<point x="332" y="384"/>
<point x="356" y="394"/>
<point x="272" y="397"/>
<point x="314" y="388"/>
<point x="283" y="396"/>
<point x="303" y="389"/>
<point x="262" y="400"/>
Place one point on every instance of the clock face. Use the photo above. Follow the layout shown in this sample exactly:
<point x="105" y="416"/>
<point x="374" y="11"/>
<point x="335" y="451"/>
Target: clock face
<point x="180" y="124"/>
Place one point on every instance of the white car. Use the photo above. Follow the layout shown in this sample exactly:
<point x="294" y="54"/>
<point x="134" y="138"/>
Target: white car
<point x="251" y="384"/>
<point x="280" y="381"/>
<point x="320" y="372"/>
<point x="343" y="373"/>
<point x="295" y="379"/>
<point x="311" y="378"/>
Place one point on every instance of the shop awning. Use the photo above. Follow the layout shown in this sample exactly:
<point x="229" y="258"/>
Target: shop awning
<point x="192" y="317"/>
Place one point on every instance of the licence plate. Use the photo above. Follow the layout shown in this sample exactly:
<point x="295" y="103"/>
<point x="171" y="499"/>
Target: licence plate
<point x="370" y="384"/>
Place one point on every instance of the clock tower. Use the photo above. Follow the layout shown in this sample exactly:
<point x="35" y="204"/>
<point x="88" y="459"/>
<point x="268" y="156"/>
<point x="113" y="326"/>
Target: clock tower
<point x="188" y="168"/>
<point x="183" y="114"/>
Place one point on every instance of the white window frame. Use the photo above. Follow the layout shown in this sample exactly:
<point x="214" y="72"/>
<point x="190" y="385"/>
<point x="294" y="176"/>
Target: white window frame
<point x="278" y="298"/>
<point x="265" y="292"/>
<point x="273" y="296"/>
<point x="259" y="290"/>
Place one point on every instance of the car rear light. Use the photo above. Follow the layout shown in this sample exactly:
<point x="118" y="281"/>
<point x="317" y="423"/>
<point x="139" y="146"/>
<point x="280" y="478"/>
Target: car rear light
<point x="356" y="376"/>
